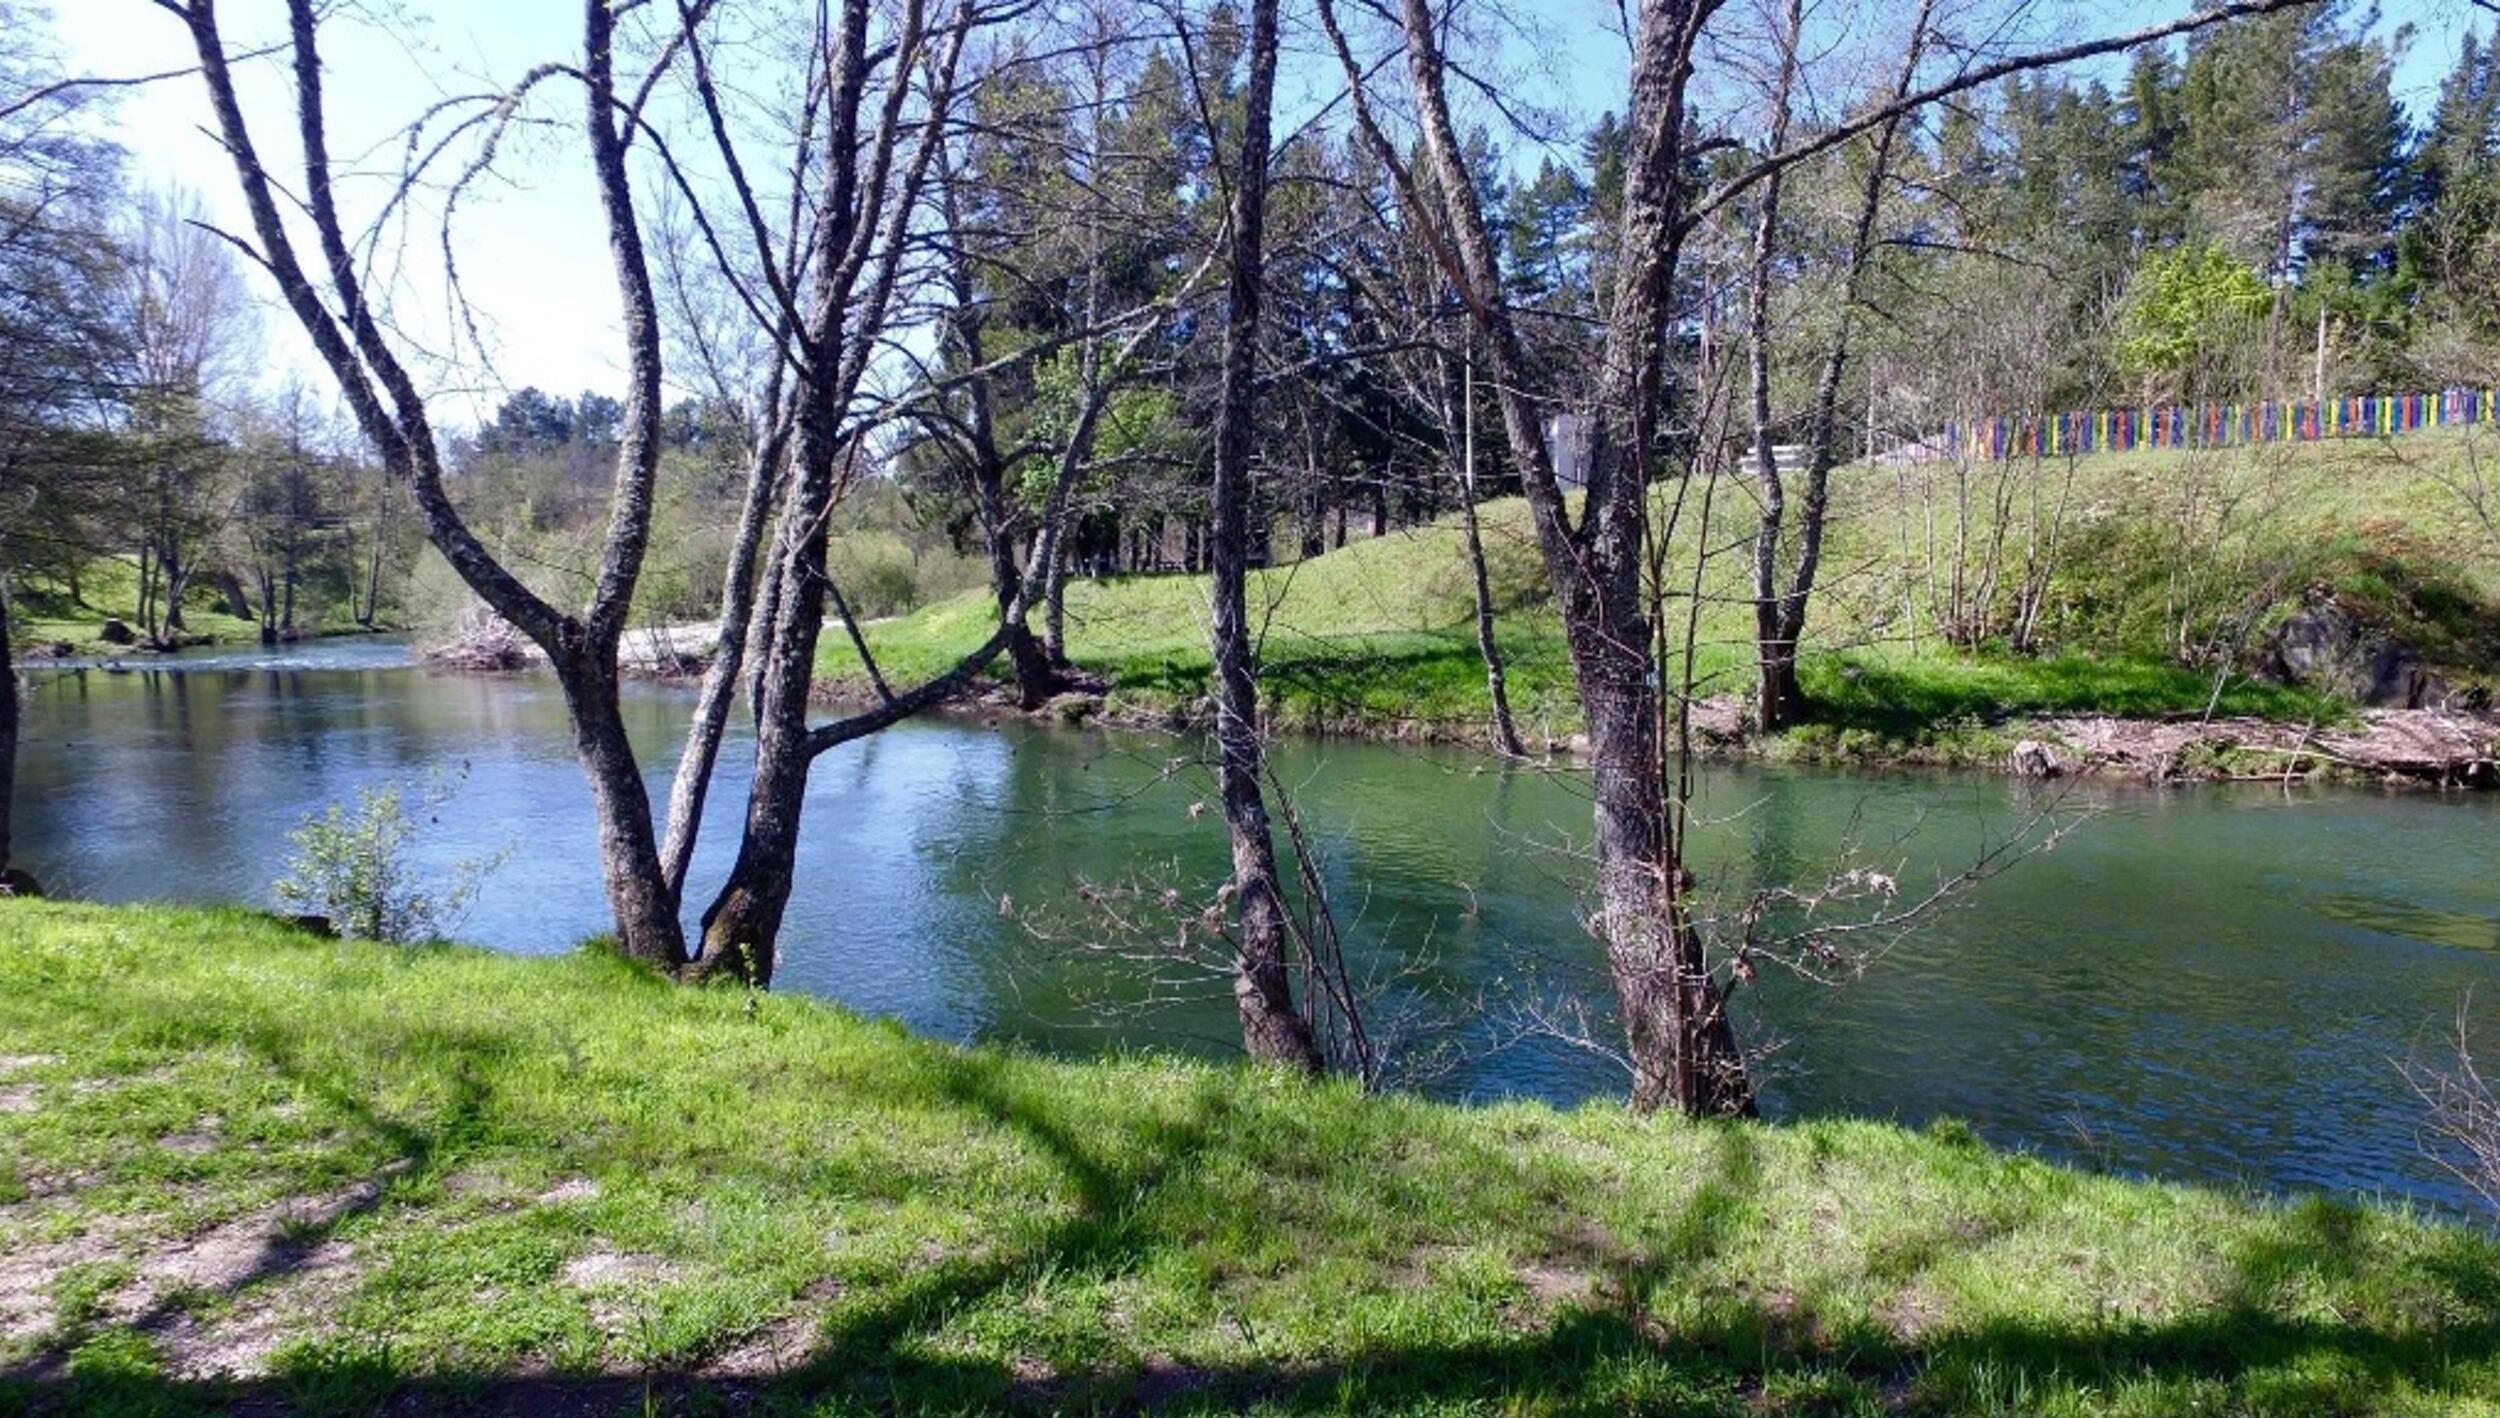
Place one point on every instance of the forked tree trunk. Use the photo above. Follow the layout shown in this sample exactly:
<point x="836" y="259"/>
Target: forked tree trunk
<point x="391" y="412"/>
<point x="1272" y="1029"/>
<point x="1036" y="680"/>
<point x="743" y="923"/>
<point x="742" y="926"/>
<point x="841" y="328"/>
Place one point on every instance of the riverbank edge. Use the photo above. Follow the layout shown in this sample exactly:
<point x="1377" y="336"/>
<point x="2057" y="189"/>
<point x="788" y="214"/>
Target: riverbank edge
<point x="2416" y="748"/>
<point x="246" y="1163"/>
<point x="34" y="652"/>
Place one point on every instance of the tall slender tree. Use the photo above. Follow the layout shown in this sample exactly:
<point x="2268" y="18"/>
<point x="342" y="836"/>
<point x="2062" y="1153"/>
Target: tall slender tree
<point x="1272" y="1027"/>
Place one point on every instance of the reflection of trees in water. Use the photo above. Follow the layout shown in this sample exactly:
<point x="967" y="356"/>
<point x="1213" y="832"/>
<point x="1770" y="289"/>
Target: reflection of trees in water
<point x="1070" y="816"/>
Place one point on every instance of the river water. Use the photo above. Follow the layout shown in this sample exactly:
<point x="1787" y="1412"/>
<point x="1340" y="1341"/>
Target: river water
<point x="2212" y="984"/>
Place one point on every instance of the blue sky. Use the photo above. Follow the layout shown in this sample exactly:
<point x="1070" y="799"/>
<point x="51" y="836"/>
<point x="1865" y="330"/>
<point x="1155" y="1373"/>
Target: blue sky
<point x="532" y="249"/>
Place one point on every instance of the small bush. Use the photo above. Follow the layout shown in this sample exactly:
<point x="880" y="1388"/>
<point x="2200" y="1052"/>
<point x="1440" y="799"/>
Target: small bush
<point x="352" y="869"/>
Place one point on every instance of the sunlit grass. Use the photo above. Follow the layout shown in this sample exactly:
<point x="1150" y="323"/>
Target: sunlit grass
<point x="1379" y="637"/>
<point x="567" y="1173"/>
<point x="108" y="589"/>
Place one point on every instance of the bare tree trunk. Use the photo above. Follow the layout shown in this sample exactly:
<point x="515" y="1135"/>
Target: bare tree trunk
<point x="743" y="923"/>
<point x="742" y="926"/>
<point x="638" y="898"/>
<point x="862" y="244"/>
<point x="1775" y="659"/>
<point x="1823" y="427"/>
<point x="391" y="412"/>
<point x="9" y="710"/>
<point x="1680" y="1042"/>
<point x="720" y="679"/>
<point x="1496" y="680"/>
<point x="1272" y="1029"/>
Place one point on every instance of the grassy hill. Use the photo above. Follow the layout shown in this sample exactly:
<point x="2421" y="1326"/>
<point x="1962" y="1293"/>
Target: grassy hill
<point x="244" y="1167"/>
<point x="2153" y="551"/>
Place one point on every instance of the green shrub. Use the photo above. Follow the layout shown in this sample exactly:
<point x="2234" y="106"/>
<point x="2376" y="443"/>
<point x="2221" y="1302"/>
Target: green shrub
<point x="353" y="869"/>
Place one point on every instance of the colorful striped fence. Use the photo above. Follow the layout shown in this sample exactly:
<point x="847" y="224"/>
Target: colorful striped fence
<point x="2220" y="425"/>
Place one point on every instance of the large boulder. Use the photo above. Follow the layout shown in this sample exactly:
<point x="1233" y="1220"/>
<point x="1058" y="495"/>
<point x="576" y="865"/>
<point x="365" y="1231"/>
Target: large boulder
<point x="2324" y="646"/>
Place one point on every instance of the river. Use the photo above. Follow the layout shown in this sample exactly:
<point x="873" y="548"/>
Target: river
<point x="2209" y="984"/>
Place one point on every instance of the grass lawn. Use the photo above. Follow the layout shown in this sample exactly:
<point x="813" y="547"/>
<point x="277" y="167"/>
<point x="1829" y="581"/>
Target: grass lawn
<point x="357" y="1178"/>
<point x="1379" y="638"/>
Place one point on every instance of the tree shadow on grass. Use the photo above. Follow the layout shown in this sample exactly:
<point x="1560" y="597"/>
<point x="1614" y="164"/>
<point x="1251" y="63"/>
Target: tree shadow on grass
<point x="1649" y="1333"/>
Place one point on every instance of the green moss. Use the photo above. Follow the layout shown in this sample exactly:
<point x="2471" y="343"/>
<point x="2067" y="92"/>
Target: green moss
<point x="571" y="1179"/>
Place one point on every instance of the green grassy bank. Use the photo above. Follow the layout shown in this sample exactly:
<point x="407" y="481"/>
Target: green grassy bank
<point x="363" y="1179"/>
<point x="46" y="616"/>
<point x="1378" y="638"/>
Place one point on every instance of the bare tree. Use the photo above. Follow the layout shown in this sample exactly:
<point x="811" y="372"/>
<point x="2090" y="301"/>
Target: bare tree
<point x="1669" y="996"/>
<point x="190" y="334"/>
<point x="868" y="247"/>
<point x="1272" y="1028"/>
<point x="350" y="334"/>
<point x="1780" y="612"/>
